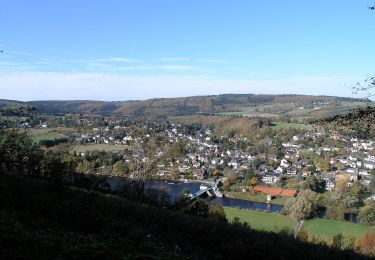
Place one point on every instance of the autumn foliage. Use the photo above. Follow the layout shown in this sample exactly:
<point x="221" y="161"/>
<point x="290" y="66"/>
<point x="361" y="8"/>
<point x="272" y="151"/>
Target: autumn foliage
<point x="366" y="244"/>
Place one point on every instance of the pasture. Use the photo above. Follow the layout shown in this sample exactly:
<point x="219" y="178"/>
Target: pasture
<point x="329" y="228"/>
<point x="273" y="222"/>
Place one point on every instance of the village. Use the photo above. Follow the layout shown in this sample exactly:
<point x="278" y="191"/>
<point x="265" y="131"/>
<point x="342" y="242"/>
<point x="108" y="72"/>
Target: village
<point x="274" y="168"/>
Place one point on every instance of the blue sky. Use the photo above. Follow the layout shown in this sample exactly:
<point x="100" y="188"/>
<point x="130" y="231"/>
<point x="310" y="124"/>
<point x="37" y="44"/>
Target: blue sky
<point x="119" y="50"/>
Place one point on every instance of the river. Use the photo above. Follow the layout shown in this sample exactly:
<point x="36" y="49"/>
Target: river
<point x="174" y="190"/>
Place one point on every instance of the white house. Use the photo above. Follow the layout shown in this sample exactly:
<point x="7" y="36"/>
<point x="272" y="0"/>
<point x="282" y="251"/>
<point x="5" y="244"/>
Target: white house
<point x="270" y="179"/>
<point x="369" y="165"/>
<point x="330" y="185"/>
<point x="352" y="170"/>
<point x="284" y="163"/>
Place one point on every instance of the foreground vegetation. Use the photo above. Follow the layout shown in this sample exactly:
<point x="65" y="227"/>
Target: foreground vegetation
<point x="41" y="220"/>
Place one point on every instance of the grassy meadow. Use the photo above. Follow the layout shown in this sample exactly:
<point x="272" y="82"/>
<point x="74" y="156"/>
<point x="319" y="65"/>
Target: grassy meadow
<point x="40" y="134"/>
<point x="257" y="198"/>
<point x="273" y="222"/>
<point x="329" y="228"/>
<point x="324" y="228"/>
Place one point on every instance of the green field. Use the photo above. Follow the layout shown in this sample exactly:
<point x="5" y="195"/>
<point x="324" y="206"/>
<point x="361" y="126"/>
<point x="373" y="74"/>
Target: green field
<point x="257" y="198"/>
<point x="48" y="136"/>
<point x="329" y="228"/>
<point x="325" y="228"/>
<point x="261" y="220"/>
<point x="39" y="134"/>
<point x="81" y="148"/>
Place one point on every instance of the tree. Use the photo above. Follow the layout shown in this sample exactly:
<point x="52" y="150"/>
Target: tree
<point x="232" y="177"/>
<point x="337" y="240"/>
<point x="367" y="214"/>
<point x="53" y="167"/>
<point x="253" y="181"/>
<point x="357" y="189"/>
<point x="338" y="204"/>
<point x="372" y="183"/>
<point x="366" y="244"/>
<point x="226" y="185"/>
<point x="314" y="184"/>
<point x="216" y="211"/>
<point x="197" y="207"/>
<point x="216" y="173"/>
<point x="342" y="183"/>
<point x="18" y="153"/>
<point x="119" y="168"/>
<point x="326" y="165"/>
<point x="175" y="174"/>
<point x="304" y="206"/>
<point x="348" y="243"/>
<point x="85" y="166"/>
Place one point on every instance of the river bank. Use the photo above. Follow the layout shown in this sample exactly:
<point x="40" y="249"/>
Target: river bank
<point x="256" y="198"/>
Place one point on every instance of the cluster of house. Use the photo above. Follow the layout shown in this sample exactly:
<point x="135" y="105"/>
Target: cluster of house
<point x="357" y="161"/>
<point x="207" y="155"/>
<point x="104" y="136"/>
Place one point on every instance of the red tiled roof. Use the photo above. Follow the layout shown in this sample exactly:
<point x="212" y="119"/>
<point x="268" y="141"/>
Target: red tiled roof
<point x="275" y="191"/>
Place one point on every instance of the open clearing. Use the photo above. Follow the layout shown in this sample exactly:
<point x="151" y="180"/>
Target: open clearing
<point x="257" y="198"/>
<point x="47" y="136"/>
<point x="325" y="228"/>
<point x="39" y="134"/>
<point x="261" y="220"/>
<point x="329" y="228"/>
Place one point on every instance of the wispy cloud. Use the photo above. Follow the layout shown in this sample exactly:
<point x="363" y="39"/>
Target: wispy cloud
<point x="121" y="59"/>
<point x="177" y="67"/>
<point x="109" y="59"/>
<point x="139" y="68"/>
<point x="21" y="53"/>
<point x="175" y="59"/>
<point x="173" y="68"/>
<point x="44" y="61"/>
<point x="8" y="63"/>
<point x="213" y="61"/>
<point x="98" y="65"/>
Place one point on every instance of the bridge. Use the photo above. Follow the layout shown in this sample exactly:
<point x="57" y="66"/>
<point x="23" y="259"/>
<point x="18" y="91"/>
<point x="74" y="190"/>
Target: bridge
<point x="211" y="190"/>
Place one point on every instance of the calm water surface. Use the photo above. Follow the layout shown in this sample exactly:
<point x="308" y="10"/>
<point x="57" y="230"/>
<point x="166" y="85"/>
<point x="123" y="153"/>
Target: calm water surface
<point x="174" y="190"/>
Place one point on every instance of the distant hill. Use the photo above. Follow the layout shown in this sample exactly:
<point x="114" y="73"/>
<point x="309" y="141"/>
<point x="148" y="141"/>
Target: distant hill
<point x="181" y="106"/>
<point x="12" y="104"/>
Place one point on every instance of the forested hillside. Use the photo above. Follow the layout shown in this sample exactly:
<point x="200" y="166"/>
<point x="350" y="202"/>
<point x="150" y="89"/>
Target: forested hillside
<point x="161" y="107"/>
